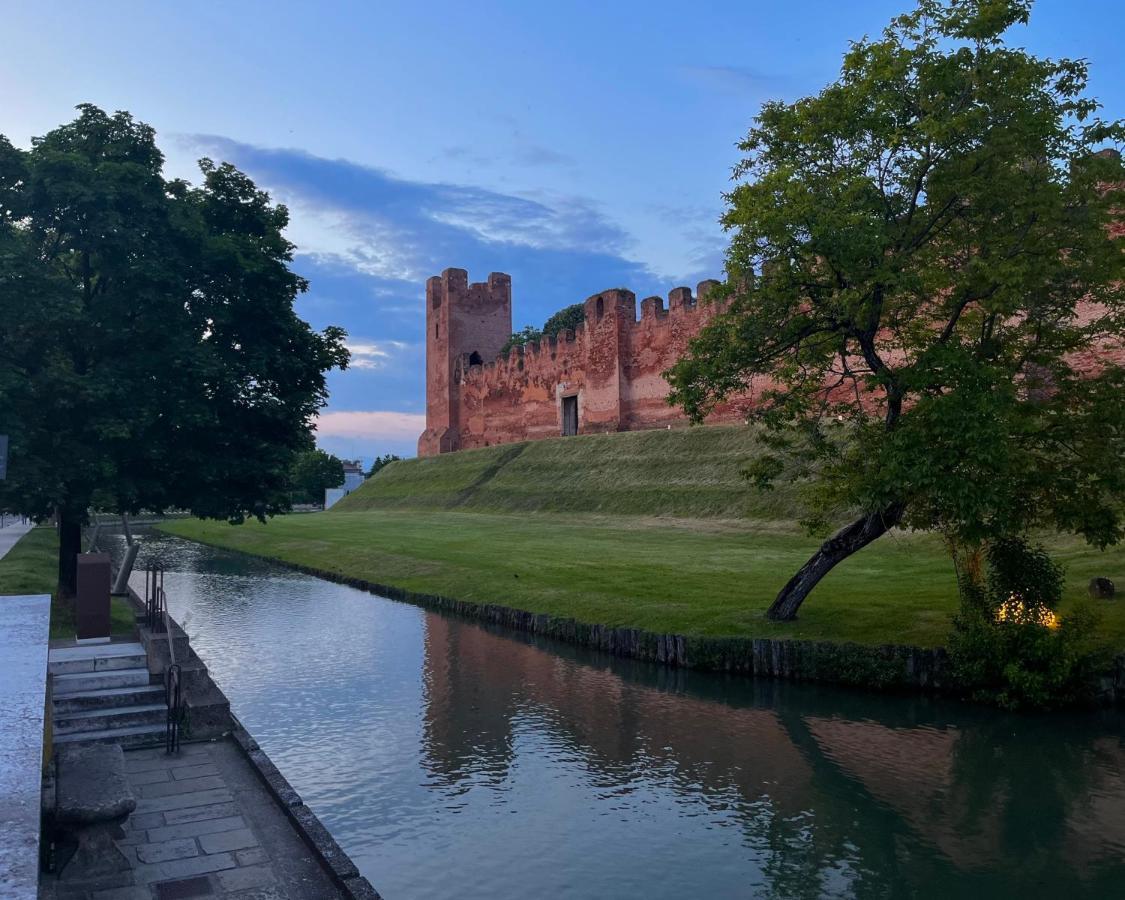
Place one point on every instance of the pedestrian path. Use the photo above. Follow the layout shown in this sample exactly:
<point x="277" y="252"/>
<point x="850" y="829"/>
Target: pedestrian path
<point x="204" y="826"/>
<point x="11" y="533"/>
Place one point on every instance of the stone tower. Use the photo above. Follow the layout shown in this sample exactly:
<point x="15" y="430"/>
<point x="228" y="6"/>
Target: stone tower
<point x="466" y="325"/>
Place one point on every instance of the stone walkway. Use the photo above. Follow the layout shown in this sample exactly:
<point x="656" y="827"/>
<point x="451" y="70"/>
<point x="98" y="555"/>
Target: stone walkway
<point x="205" y="826"/>
<point x="10" y="534"/>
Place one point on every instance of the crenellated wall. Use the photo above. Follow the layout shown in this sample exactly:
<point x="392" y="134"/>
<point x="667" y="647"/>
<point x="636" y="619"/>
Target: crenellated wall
<point x="612" y="364"/>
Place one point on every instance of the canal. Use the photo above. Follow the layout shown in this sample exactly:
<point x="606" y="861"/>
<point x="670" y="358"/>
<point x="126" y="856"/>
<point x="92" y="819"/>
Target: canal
<point x="453" y="761"/>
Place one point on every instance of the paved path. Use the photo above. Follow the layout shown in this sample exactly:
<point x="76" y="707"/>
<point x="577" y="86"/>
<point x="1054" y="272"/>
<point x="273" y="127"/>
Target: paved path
<point x="204" y="826"/>
<point x="10" y="534"/>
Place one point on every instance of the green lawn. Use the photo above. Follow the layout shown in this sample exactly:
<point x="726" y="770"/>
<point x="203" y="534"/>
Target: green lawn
<point x="31" y="567"/>
<point x="704" y="576"/>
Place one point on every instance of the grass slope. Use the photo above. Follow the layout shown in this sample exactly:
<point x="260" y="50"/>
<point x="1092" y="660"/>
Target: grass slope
<point x="686" y="472"/>
<point x="703" y="577"/>
<point x="31" y="567"/>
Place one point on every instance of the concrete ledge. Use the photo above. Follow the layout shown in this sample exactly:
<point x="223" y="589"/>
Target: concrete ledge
<point x="312" y="831"/>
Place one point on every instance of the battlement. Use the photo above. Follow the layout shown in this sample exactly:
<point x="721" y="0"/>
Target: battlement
<point x="606" y="374"/>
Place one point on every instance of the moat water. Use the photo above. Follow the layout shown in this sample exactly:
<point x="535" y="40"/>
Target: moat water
<point x="453" y="761"/>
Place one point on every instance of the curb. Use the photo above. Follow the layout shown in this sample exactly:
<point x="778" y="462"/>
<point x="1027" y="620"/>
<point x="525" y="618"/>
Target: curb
<point x="310" y="828"/>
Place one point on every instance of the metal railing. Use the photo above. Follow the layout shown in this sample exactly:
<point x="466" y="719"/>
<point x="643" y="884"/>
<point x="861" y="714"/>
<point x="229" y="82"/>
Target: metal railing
<point x="156" y="602"/>
<point x="173" y="696"/>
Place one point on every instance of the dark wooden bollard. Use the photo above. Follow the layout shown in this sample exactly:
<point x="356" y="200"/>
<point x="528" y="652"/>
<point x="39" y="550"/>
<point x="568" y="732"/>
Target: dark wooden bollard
<point x="91" y="605"/>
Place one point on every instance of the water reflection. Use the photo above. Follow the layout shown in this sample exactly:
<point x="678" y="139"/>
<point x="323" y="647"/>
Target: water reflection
<point x="454" y="761"/>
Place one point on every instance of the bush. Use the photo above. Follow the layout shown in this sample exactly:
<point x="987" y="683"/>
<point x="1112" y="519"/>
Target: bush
<point x="1008" y="647"/>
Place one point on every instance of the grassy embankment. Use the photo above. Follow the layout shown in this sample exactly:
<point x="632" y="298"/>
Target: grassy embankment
<point x="655" y="530"/>
<point x="31" y="567"/>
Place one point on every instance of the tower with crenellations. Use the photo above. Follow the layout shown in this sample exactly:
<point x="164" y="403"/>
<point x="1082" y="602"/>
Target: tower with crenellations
<point x="465" y="325"/>
<point x="606" y="375"/>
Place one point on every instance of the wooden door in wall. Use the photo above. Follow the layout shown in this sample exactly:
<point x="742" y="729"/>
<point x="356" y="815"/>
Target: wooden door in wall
<point x="569" y="416"/>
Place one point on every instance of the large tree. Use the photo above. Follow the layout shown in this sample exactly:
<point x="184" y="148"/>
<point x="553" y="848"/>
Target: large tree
<point x="921" y="255"/>
<point x="150" y="355"/>
<point x="314" y="471"/>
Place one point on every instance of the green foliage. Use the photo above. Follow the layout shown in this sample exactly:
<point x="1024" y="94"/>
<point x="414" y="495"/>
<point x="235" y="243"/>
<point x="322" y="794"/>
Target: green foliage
<point x="382" y="462"/>
<point x="1008" y="648"/>
<point x="909" y="251"/>
<point x="568" y="318"/>
<point x="313" y="472"/>
<point x="150" y="355"/>
<point x="529" y="335"/>
<point x="31" y="567"/>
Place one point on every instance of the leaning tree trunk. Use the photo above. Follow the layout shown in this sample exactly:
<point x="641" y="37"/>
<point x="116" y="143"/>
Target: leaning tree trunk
<point x="837" y="548"/>
<point x="70" y="545"/>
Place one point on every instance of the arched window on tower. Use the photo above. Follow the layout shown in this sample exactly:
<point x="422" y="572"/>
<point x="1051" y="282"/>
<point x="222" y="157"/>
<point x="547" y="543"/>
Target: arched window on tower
<point x="599" y="308"/>
<point x="474" y="359"/>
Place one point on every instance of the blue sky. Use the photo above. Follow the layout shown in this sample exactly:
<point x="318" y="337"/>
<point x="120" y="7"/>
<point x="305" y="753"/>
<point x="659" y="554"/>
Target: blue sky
<point x="577" y="146"/>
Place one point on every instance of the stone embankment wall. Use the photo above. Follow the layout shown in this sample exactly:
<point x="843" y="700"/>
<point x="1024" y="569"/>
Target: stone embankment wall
<point x="210" y="719"/>
<point x="886" y="667"/>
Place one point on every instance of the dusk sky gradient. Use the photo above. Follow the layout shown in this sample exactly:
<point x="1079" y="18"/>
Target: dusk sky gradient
<point x="576" y="146"/>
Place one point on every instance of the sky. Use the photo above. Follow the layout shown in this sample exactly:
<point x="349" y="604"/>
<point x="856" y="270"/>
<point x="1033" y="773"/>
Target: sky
<point x="575" y="145"/>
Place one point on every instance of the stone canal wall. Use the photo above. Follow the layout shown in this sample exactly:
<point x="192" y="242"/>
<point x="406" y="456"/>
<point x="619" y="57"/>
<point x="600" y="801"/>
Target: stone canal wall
<point x="886" y="667"/>
<point x="211" y="718"/>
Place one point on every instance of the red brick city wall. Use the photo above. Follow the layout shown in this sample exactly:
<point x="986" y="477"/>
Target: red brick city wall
<point x="613" y="364"/>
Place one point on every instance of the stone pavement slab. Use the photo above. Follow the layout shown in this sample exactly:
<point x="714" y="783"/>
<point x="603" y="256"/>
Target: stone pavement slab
<point x="24" y="624"/>
<point x="205" y="826"/>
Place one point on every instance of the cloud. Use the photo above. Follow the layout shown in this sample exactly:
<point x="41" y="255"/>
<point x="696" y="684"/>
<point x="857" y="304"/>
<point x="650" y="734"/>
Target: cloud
<point x="407" y="230"/>
<point x="368" y="239"/>
<point x="373" y="354"/>
<point x="736" y="79"/>
<point x="371" y="425"/>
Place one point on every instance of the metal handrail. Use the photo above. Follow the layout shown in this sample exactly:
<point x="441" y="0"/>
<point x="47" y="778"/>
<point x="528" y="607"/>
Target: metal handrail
<point x="156" y="601"/>
<point x="173" y="697"/>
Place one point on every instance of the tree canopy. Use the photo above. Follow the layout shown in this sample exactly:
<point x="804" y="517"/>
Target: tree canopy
<point x="313" y="472"/>
<point x="150" y="356"/>
<point x="569" y="317"/>
<point x="925" y="283"/>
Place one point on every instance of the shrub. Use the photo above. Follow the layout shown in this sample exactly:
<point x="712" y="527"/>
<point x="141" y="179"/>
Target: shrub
<point x="1008" y="647"/>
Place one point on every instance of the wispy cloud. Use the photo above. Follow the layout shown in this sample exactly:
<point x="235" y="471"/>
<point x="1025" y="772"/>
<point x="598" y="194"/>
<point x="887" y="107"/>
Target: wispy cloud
<point x="367" y="240"/>
<point x="737" y="79"/>
<point x="373" y="354"/>
<point x="371" y="425"/>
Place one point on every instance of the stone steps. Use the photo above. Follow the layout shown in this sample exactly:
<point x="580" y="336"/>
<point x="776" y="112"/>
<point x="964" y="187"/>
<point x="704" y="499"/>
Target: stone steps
<point x="133" y="736"/>
<point x="104" y="693"/>
<point x="82" y="682"/>
<point x="109" y="698"/>
<point x="105" y="719"/>
<point x="96" y="658"/>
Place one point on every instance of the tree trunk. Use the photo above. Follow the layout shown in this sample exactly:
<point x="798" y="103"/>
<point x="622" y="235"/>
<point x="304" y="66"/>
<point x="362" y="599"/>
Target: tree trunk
<point x="70" y="545"/>
<point x="837" y="548"/>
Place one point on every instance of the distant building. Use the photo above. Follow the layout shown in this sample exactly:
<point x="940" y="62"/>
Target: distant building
<point x="353" y="478"/>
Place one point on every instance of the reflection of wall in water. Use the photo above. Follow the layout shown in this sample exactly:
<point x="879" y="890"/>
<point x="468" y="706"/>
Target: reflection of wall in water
<point x="479" y="684"/>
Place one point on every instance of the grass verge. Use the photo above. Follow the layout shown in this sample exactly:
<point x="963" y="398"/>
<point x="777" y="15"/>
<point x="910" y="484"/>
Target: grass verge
<point x="31" y="567"/>
<point x="702" y="577"/>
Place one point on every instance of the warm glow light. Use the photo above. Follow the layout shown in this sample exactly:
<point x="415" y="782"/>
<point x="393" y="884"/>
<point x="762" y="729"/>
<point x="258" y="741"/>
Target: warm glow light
<point x="1015" y="610"/>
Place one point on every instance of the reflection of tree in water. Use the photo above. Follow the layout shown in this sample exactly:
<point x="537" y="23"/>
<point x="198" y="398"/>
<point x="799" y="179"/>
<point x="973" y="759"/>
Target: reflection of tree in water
<point x="1039" y="771"/>
<point x="800" y="768"/>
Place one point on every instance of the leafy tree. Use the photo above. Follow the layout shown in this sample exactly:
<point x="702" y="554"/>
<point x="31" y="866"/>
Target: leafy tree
<point x="912" y="250"/>
<point x="150" y="356"/>
<point x="568" y="318"/>
<point x="529" y="335"/>
<point x="314" y="471"/>
<point x="381" y="462"/>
